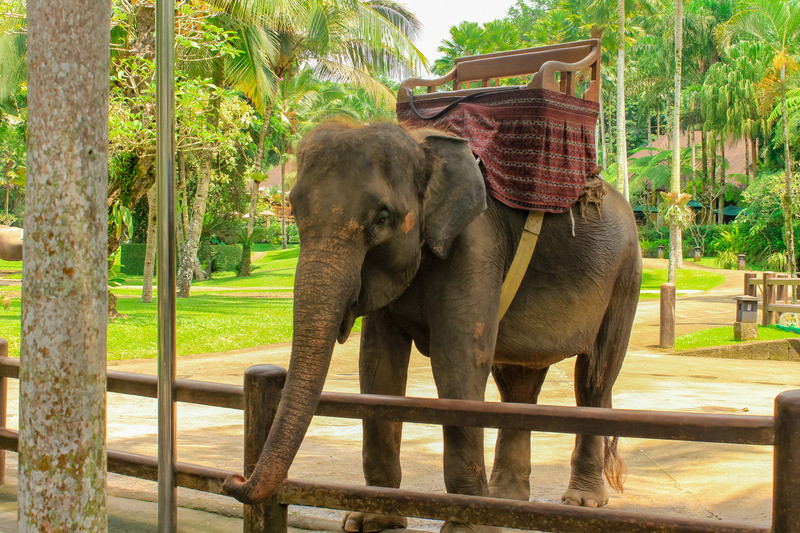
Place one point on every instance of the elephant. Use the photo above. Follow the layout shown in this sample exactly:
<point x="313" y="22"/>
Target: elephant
<point x="10" y="243"/>
<point x="396" y="226"/>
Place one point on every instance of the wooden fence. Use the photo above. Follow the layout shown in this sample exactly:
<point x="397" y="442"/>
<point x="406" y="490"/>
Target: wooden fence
<point x="261" y="392"/>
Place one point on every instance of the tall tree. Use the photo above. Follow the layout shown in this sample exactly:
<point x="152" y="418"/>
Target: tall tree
<point x="675" y="236"/>
<point x="342" y="41"/>
<point x="776" y="24"/>
<point x="62" y="450"/>
<point x="622" y="137"/>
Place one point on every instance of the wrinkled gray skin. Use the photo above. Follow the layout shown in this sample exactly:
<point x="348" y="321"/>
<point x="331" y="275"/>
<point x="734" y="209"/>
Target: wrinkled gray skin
<point x="10" y="243"/>
<point x="399" y="229"/>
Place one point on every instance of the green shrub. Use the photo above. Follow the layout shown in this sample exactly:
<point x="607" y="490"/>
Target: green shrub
<point x="650" y="248"/>
<point x="292" y="235"/>
<point x="225" y="257"/>
<point x="132" y="258"/>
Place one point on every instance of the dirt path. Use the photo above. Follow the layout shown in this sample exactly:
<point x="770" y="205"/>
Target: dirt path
<point x="688" y="479"/>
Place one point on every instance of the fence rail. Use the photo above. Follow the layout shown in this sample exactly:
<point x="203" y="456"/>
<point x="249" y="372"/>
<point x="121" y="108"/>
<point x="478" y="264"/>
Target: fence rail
<point x="775" y="298"/>
<point x="783" y="432"/>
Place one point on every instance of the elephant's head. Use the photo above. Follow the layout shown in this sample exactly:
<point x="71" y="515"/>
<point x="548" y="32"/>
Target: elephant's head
<point x="367" y="200"/>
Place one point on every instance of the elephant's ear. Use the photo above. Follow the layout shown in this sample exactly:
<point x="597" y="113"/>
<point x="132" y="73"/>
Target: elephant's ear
<point x="455" y="194"/>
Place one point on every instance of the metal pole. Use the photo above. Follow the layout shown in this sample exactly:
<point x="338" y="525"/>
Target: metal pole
<point x="165" y="178"/>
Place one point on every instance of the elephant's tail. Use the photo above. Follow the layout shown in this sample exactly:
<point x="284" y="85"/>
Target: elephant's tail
<point x="613" y="467"/>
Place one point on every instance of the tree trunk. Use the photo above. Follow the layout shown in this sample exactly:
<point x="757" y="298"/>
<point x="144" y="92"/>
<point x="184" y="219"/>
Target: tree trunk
<point x="747" y="160"/>
<point x="150" y="253"/>
<point x="675" y="234"/>
<point x="713" y="176"/>
<point x="283" y="205"/>
<point x="602" y="123"/>
<point x="188" y="256"/>
<point x="788" y="202"/>
<point x="622" y="149"/>
<point x="62" y="451"/>
<point x="183" y="233"/>
<point x="721" y="201"/>
<point x="693" y="144"/>
<point x="754" y="155"/>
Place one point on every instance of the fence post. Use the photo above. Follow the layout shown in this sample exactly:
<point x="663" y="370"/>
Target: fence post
<point x="749" y="289"/>
<point x="667" y="328"/>
<point x="262" y="392"/>
<point x="768" y="298"/>
<point x="786" y="484"/>
<point x="781" y="290"/>
<point x="3" y="409"/>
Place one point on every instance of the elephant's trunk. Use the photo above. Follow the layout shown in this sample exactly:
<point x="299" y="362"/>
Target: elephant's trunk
<point x="326" y="285"/>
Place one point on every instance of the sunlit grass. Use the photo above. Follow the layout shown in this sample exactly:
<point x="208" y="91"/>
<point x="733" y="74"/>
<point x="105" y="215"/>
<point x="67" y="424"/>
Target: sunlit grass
<point x="687" y="279"/>
<point x="204" y="323"/>
<point x="724" y="335"/>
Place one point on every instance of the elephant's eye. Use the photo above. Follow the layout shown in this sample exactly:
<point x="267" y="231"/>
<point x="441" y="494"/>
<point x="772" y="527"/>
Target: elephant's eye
<point x="382" y="218"/>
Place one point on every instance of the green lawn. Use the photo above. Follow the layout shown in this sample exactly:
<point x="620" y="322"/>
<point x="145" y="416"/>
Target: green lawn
<point x="274" y="271"/>
<point x="687" y="279"/>
<point x="211" y="321"/>
<point x="724" y="335"/>
<point x="205" y="324"/>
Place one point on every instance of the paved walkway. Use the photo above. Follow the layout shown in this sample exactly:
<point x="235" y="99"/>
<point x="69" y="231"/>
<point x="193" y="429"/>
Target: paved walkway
<point x="715" y="481"/>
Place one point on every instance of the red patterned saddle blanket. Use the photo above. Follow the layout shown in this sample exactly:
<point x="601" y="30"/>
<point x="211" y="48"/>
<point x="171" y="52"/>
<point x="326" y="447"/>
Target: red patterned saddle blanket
<point x="536" y="147"/>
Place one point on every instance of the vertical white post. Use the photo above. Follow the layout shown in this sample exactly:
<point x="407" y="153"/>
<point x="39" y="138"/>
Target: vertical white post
<point x="165" y="178"/>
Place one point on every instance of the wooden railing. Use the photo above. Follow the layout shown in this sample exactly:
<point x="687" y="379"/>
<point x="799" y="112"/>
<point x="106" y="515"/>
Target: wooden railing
<point x="775" y="299"/>
<point x="261" y="393"/>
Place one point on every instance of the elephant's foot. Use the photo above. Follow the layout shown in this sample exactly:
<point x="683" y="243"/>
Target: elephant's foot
<point x="510" y="488"/>
<point x="458" y="527"/>
<point x="370" y="523"/>
<point x="585" y="498"/>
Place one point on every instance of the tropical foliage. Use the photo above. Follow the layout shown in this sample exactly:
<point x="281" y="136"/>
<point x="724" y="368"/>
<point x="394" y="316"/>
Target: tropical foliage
<point x="252" y="77"/>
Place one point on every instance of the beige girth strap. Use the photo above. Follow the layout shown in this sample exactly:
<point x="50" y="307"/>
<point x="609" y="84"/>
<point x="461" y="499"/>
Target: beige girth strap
<point x="527" y="243"/>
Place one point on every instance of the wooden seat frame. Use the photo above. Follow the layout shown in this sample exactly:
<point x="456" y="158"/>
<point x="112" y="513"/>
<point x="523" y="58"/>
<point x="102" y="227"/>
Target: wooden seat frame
<point x="542" y="63"/>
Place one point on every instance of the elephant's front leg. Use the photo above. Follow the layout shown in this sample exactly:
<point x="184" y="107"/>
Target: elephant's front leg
<point x="461" y="368"/>
<point x="383" y="369"/>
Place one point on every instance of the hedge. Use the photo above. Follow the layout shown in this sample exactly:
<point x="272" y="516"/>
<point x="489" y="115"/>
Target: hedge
<point x="223" y="257"/>
<point x="132" y="258"/>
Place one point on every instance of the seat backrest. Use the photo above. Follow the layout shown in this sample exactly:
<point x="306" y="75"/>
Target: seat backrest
<point x="541" y="63"/>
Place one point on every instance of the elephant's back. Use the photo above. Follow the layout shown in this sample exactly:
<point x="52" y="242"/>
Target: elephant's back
<point x="581" y="260"/>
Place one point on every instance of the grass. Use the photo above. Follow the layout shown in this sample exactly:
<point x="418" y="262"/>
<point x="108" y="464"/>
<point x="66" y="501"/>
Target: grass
<point x="204" y="323"/>
<point x="724" y="335"/>
<point x="274" y="271"/>
<point x="687" y="279"/>
<point x="218" y="320"/>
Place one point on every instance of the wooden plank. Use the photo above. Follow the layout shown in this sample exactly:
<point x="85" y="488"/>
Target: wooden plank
<point x="783" y="308"/>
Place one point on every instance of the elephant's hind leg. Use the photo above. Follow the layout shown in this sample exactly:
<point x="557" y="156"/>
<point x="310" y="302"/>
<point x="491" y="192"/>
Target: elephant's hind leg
<point x="512" y="457"/>
<point x="595" y="374"/>
<point x="383" y="369"/>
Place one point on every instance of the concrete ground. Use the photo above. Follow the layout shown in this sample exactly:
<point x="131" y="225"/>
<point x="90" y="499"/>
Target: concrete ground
<point x="726" y="482"/>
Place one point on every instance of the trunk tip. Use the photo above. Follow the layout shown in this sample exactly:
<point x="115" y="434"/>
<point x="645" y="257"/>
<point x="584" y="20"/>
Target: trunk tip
<point x="237" y="486"/>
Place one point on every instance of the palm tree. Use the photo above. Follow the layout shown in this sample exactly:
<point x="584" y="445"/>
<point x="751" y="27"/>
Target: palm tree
<point x="675" y="236"/>
<point x="776" y="24"/>
<point x="352" y="42"/>
<point x="622" y="148"/>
